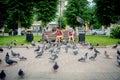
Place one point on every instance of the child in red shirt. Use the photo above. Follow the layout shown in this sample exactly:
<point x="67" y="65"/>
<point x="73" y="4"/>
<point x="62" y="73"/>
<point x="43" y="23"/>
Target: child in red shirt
<point x="59" y="34"/>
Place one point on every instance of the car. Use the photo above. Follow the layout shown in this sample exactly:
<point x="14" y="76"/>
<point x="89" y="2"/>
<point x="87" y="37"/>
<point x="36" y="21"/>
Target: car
<point x="98" y="32"/>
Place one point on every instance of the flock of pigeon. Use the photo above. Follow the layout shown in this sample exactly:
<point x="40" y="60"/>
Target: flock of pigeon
<point x="54" y="50"/>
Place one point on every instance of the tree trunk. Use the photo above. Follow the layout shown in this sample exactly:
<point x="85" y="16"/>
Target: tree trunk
<point x="19" y="28"/>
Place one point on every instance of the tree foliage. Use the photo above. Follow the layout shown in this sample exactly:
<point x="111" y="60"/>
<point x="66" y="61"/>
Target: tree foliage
<point x="74" y="9"/>
<point x="46" y="11"/>
<point x="61" y="22"/>
<point x="3" y="14"/>
<point x="115" y="32"/>
<point x="20" y="12"/>
<point x="107" y="11"/>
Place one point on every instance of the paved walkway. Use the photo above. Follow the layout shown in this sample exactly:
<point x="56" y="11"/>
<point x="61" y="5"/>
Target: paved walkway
<point x="69" y="67"/>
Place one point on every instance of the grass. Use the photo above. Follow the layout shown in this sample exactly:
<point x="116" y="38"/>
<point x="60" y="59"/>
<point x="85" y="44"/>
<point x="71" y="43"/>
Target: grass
<point x="20" y="40"/>
<point x="102" y="40"/>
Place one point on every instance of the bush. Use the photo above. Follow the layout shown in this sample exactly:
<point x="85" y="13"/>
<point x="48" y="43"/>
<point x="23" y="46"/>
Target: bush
<point x="115" y="32"/>
<point x="6" y="30"/>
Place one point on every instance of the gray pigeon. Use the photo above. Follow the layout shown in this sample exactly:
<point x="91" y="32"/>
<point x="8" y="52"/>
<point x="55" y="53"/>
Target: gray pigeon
<point x="33" y="43"/>
<point x="55" y="66"/>
<point x="9" y="45"/>
<point x="91" y="47"/>
<point x="53" y="56"/>
<point x="96" y="51"/>
<point x="75" y="51"/>
<point x="1" y="49"/>
<point x="118" y="60"/>
<point x="83" y="58"/>
<point x="66" y="49"/>
<point x="8" y="60"/>
<point x="58" y="49"/>
<point x="93" y="57"/>
<point x="115" y="46"/>
<point x="0" y="61"/>
<point x="21" y="73"/>
<point x="37" y="49"/>
<point x="21" y="57"/>
<point x="39" y="54"/>
<point x="68" y="45"/>
<point x="2" y="75"/>
<point x="14" y="54"/>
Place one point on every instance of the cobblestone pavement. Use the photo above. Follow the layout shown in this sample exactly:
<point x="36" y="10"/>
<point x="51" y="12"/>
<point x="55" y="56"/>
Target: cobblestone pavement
<point x="69" y="67"/>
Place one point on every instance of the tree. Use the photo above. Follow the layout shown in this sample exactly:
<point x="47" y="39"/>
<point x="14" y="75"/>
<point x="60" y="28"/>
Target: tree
<point x="91" y="18"/>
<point x="3" y="14"/>
<point x="46" y="11"/>
<point x="20" y="13"/>
<point x="61" y="22"/>
<point x="107" y="11"/>
<point x="74" y="9"/>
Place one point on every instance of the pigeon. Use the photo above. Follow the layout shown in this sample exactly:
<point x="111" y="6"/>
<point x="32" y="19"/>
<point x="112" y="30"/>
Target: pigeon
<point x="2" y="75"/>
<point x="53" y="56"/>
<point x="55" y="66"/>
<point x="64" y="42"/>
<point x="91" y="47"/>
<point x="118" y="60"/>
<point x="93" y="57"/>
<point x="75" y="51"/>
<point x="83" y="58"/>
<point x="107" y="55"/>
<point x="21" y="57"/>
<point x="68" y="45"/>
<point x="39" y="54"/>
<point x="58" y="49"/>
<point x="8" y="60"/>
<point x="66" y="49"/>
<point x="37" y="49"/>
<point x="33" y="43"/>
<point x="21" y="73"/>
<point x="15" y="42"/>
<point x="1" y="49"/>
<point x="27" y="47"/>
<point x="51" y="50"/>
<point x="74" y="46"/>
<point x="115" y="46"/>
<point x="9" y="45"/>
<point x="96" y="51"/>
<point x="22" y="44"/>
<point x="14" y="54"/>
<point x="97" y="44"/>
<point x="118" y="52"/>
<point x="0" y="61"/>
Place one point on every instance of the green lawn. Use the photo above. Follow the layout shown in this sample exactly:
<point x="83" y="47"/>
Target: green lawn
<point x="102" y="40"/>
<point x="20" y="39"/>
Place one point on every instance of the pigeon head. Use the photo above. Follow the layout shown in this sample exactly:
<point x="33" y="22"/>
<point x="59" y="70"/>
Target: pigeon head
<point x="2" y="71"/>
<point x="7" y="54"/>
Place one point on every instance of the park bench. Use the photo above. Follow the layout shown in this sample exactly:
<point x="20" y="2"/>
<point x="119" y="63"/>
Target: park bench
<point x="49" y="36"/>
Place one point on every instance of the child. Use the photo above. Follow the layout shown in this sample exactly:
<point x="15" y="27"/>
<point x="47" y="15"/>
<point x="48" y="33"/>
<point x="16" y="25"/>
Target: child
<point x="71" y="34"/>
<point x="59" y="34"/>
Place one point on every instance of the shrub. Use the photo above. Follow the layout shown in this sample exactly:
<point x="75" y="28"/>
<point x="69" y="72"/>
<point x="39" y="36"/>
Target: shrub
<point x="115" y="32"/>
<point x="6" y="30"/>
